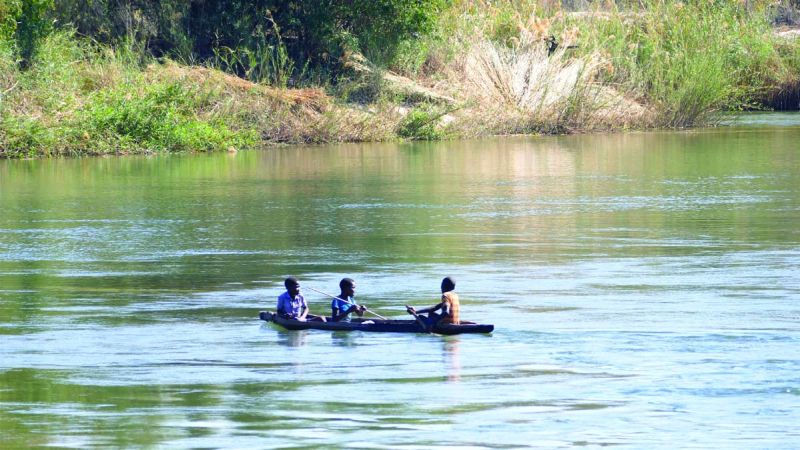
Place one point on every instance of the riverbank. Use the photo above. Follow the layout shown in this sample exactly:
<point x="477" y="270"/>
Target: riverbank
<point x="489" y="70"/>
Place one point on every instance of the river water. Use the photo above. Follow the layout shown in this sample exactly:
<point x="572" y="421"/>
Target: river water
<point x="645" y="289"/>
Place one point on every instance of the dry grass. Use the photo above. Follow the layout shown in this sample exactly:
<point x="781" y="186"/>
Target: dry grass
<point x="283" y="115"/>
<point x="522" y="88"/>
<point x="234" y="86"/>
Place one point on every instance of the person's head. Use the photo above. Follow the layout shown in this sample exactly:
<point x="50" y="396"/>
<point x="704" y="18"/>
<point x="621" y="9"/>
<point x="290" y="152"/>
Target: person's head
<point x="448" y="284"/>
<point x="292" y="286"/>
<point x="348" y="287"/>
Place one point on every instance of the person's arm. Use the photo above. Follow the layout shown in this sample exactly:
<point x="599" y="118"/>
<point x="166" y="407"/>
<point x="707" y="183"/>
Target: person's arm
<point x="340" y="313"/>
<point x="428" y="310"/>
<point x="337" y="314"/>
<point x="303" y="310"/>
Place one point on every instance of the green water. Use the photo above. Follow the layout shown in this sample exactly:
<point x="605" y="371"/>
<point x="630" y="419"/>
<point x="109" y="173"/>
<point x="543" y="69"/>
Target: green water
<point x="644" y="289"/>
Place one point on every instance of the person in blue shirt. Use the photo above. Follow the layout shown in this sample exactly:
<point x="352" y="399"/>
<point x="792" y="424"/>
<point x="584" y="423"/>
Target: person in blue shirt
<point x="345" y="304"/>
<point x="292" y="304"/>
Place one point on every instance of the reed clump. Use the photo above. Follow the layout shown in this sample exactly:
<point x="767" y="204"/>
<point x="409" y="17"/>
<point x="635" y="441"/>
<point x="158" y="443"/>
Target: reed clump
<point x="516" y="70"/>
<point x="539" y="89"/>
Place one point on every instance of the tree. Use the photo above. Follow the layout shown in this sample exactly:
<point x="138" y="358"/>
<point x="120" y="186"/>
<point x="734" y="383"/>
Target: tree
<point x="313" y="31"/>
<point x="33" y="24"/>
<point x="9" y="12"/>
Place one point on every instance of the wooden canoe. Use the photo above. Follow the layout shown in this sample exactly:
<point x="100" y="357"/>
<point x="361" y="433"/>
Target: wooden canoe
<point x="374" y="325"/>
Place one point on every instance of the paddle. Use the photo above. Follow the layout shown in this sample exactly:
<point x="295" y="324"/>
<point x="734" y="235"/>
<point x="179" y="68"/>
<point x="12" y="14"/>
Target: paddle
<point x="337" y="298"/>
<point x="419" y="319"/>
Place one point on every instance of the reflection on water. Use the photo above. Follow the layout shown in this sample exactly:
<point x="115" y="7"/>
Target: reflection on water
<point x="643" y="287"/>
<point x="296" y="338"/>
<point x="452" y="358"/>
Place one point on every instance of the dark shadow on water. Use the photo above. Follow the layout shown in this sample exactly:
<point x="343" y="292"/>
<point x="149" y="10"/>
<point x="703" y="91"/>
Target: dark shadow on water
<point x="343" y="339"/>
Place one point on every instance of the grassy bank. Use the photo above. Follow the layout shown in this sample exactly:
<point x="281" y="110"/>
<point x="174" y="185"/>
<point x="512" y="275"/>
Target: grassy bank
<point x="485" y="69"/>
<point x="81" y="98"/>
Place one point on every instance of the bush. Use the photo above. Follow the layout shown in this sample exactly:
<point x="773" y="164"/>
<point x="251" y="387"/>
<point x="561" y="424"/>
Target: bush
<point x="421" y="124"/>
<point x="22" y="137"/>
<point x="10" y="11"/>
<point x="161" y="120"/>
<point x="316" y="32"/>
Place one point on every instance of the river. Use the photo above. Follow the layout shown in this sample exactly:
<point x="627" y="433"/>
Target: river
<point x="644" y="288"/>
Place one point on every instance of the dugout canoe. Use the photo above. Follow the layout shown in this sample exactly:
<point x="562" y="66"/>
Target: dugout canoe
<point x="374" y="325"/>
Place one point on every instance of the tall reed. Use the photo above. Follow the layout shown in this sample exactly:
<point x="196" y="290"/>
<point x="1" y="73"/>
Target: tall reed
<point x="689" y="60"/>
<point x="266" y="61"/>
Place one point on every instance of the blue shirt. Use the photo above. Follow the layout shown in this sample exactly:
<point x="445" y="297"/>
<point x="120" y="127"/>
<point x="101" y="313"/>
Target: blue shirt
<point x="289" y="305"/>
<point x="343" y="307"/>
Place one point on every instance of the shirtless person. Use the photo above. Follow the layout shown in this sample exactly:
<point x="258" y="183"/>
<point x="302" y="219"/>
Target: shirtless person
<point x="449" y="307"/>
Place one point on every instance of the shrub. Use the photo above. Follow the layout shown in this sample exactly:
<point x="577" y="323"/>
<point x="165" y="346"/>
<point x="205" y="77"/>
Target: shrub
<point x="160" y="119"/>
<point x="10" y="11"/>
<point x="319" y="32"/>
<point x="22" y="137"/>
<point x="421" y="124"/>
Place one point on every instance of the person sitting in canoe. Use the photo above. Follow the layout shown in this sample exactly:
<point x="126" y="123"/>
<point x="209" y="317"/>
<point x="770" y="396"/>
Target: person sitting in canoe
<point x="342" y="306"/>
<point x="292" y="304"/>
<point x="449" y="307"/>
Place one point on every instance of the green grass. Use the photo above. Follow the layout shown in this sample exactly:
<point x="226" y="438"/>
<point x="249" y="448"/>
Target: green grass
<point x="81" y="99"/>
<point x="162" y="118"/>
<point x="689" y="60"/>
<point x="684" y="61"/>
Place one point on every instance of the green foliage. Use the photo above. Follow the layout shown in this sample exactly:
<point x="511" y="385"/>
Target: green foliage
<point x="32" y="25"/>
<point x="8" y="69"/>
<point x="689" y="60"/>
<point x="162" y="119"/>
<point x="421" y="124"/>
<point x="382" y="25"/>
<point x="265" y="40"/>
<point x="685" y="61"/>
<point x="161" y="25"/>
<point x="10" y="11"/>
<point x="22" y="137"/>
<point x="261" y="63"/>
<point x="365" y="88"/>
<point x="429" y="52"/>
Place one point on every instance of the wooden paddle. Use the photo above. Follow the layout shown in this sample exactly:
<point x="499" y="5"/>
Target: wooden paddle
<point x="419" y="319"/>
<point x="337" y="298"/>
